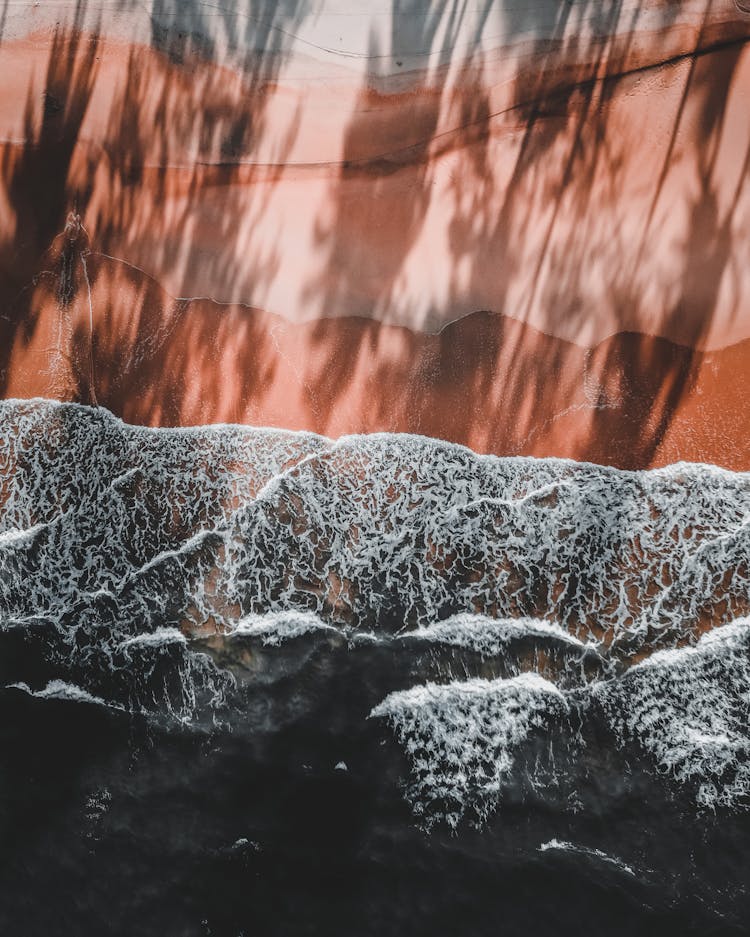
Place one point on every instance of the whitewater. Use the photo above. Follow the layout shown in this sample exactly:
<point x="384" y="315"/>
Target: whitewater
<point x="502" y="611"/>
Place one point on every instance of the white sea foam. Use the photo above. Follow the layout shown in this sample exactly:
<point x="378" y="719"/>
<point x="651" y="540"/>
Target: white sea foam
<point x="461" y="739"/>
<point x="276" y="627"/>
<point x="14" y="535"/>
<point x="563" y="846"/>
<point x="61" y="690"/>
<point x="690" y="708"/>
<point x="370" y="533"/>
<point x="159" y="638"/>
<point x="491" y="636"/>
<point x="115" y="538"/>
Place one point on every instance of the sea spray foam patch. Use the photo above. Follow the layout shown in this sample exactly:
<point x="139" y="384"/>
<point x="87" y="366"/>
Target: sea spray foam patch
<point x="275" y="628"/>
<point x="690" y="709"/>
<point x="491" y="636"/>
<point x="588" y="851"/>
<point x="120" y="541"/>
<point x="394" y="533"/>
<point x="206" y="527"/>
<point x="461" y="740"/>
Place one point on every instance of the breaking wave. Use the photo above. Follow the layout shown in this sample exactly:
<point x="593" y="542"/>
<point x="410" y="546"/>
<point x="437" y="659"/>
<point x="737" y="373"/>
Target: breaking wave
<point x="461" y="739"/>
<point x="690" y="708"/>
<point x="597" y="854"/>
<point x="144" y="568"/>
<point x="490" y="636"/>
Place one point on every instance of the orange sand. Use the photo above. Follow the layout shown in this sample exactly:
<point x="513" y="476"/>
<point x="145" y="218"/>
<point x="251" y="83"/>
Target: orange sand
<point x="487" y="381"/>
<point x="478" y="250"/>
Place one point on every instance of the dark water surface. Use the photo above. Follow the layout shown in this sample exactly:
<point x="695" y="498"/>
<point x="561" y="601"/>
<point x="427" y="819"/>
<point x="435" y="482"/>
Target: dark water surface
<point x="112" y="825"/>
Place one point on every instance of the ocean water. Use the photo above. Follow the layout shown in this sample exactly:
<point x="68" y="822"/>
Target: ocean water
<point x="261" y="682"/>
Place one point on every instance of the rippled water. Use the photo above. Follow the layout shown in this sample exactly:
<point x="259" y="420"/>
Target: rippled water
<point x="260" y="682"/>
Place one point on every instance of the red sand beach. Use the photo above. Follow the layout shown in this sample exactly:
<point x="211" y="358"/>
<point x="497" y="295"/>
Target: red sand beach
<point x="488" y="381"/>
<point x="531" y="239"/>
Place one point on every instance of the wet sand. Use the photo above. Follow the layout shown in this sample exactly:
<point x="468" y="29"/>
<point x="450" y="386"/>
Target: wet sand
<point x="487" y="381"/>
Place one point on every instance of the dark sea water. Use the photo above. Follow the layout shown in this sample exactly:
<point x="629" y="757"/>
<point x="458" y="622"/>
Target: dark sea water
<point x="254" y="682"/>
